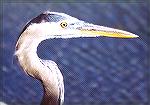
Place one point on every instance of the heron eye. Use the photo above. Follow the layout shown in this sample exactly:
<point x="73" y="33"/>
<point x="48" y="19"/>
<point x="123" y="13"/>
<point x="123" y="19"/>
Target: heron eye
<point x="63" y="24"/>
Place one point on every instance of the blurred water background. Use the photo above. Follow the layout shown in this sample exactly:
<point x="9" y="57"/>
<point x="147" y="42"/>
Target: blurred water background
<point x="97" y="71"/>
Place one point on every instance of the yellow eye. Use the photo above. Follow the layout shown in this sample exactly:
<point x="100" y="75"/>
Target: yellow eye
<point x="63" y="24"/>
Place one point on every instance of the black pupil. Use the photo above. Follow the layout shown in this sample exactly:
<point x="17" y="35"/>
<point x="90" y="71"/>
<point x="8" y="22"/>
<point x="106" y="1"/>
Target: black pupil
<point x="64" y="24"/>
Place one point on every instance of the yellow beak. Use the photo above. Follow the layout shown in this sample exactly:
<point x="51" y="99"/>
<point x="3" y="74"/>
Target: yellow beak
<point x="95" y="31"/>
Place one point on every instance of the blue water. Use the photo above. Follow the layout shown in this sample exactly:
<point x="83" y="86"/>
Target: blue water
<point x="97" y="71"/>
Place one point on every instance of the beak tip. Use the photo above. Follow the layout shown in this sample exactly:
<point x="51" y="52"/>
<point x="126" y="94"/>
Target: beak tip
<point x="135" y="36"/>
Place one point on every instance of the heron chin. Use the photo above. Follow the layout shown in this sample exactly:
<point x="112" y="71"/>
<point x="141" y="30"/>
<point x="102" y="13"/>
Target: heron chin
<point x="50" y="25"/>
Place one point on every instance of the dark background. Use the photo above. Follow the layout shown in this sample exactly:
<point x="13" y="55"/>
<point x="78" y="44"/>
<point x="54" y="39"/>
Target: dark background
<point x="97" y="71"/>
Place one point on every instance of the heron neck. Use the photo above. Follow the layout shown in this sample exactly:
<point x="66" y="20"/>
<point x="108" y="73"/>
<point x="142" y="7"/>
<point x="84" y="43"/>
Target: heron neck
<point x="31" y="64"/>
<point x="50" y="97"/>
<point x="26" y="53"/>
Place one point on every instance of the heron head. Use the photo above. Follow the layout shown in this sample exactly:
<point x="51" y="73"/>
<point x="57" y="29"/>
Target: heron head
<point x="60" y="25"/>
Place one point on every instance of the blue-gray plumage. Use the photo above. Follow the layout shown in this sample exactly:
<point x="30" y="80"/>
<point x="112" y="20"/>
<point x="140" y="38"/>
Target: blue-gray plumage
<point x="49" y="25"/>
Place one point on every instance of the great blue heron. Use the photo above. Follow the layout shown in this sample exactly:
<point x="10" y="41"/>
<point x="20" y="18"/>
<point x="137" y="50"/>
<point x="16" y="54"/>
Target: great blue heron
<point x="49" y="25"/>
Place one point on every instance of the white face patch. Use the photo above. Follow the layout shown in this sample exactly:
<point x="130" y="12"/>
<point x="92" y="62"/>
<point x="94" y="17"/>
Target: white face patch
<point x="45" y="30"/>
